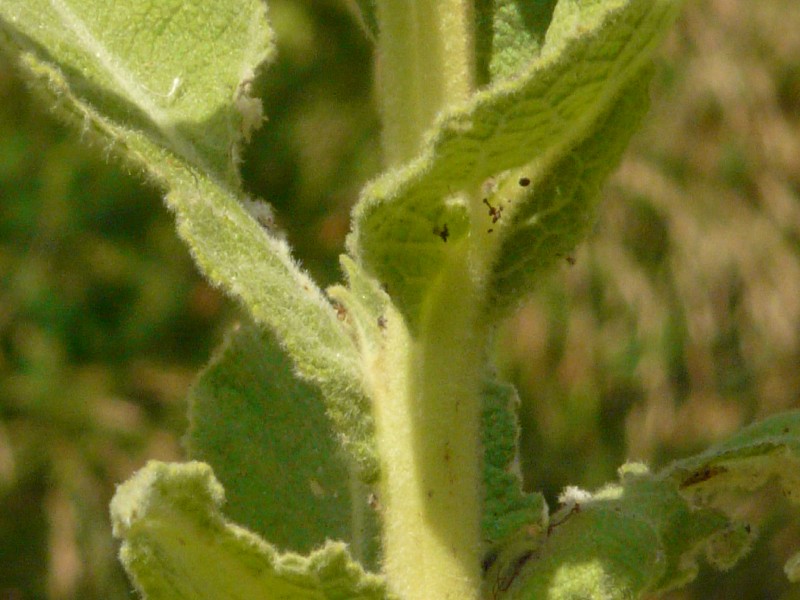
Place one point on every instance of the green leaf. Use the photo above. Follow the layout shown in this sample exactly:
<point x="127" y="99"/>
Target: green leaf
<point x="233" y="249"/>
<point x="167" y="89"/>
<point x="644" y="534"/>
<point x="507" y="510"/>
<point x="177" y="545"/>
<point x="629" y="538"/>
<point x="593" y="51"/>
<point x="267" y="437"/>
<point x="510" y="35"/>
<point x="172" y="72"/>
<point x="766" y="450"/>
<point x="553" y="215"/>
<point x="745" y="461"/>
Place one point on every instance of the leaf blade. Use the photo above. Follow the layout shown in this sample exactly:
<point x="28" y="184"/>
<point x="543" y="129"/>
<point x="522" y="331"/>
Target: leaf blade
<point x="553" y="215"/>
<point x="645" y="533"/>
<point x="593" y="54"/>
<point x="171" y="71"/>
<point x="184" y="134"/>
<point x="176" y="544"/>
<point x="270" y="443"/>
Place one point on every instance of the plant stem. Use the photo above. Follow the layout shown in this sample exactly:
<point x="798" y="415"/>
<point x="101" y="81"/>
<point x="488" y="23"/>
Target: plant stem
<point x="428" y="431"/>
<point x="425" y="61"/>
<point x="427" y="387"/>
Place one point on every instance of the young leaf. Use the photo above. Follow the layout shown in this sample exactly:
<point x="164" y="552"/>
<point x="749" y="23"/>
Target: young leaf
<point x="267" y="437"/>
<point x="592" y="53"/>
<point x="167" y="89"/>
<point x="177" y="545"/>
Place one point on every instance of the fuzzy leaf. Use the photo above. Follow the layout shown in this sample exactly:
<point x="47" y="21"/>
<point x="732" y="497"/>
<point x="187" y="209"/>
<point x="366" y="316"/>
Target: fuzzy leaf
<point x="507" y="510"/>
<point x="554" y="214"/>
<point x="177" y="545"/>
<point x="233" y="249"/>
<point x="172" y="72"/>
<point x="165" y="87"/>
<point x="645" y="533"/>
<point x="766" y="450"/>
<point x="627" y="539"/>
<point x="745" y="461"/>
<point x="510" y="34"/>
<point x="592" y="53"/>
<point x="267" y="437"/>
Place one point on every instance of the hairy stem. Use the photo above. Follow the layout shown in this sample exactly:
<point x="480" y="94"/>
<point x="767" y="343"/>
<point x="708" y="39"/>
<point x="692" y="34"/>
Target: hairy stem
<point x="427" y="423"/>
<point x="427" y="388"/>
<point x="425" y="62"/>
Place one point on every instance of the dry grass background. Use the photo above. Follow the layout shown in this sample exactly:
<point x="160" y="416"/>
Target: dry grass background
<point x="679" y="322"/>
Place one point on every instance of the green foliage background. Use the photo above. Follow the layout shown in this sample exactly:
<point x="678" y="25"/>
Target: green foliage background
<point x="678" y="323"/>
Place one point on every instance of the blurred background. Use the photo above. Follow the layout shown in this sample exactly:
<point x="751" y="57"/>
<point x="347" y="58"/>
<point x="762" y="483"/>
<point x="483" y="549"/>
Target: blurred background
<point x="678" y="323"/>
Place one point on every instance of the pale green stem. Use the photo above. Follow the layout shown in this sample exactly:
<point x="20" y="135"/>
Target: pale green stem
<point x="428" y="430"/>
<point x="427" y="386"/>
<point x="425" y="61"/>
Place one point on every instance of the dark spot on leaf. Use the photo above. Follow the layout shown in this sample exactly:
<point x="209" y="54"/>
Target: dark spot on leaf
<point x="571" y="260"/>
<point x="341" y="311"/>
<point x="382" y="322"/>
<point x="488" y="560"/>
<point x="494" y="211"/>
<point x="443" y="233"/>
<point x="524" y="181"/>
<point x="702" y="475"/>
<point x="507" y="578"/>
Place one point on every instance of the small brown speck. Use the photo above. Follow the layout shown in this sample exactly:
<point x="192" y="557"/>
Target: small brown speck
<point x="524" y="181"/>
<point x="494" y="211"/>
<point x="702" y="475"/>
<point x="443" y="233"/>
<point x="341" y="312"/>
